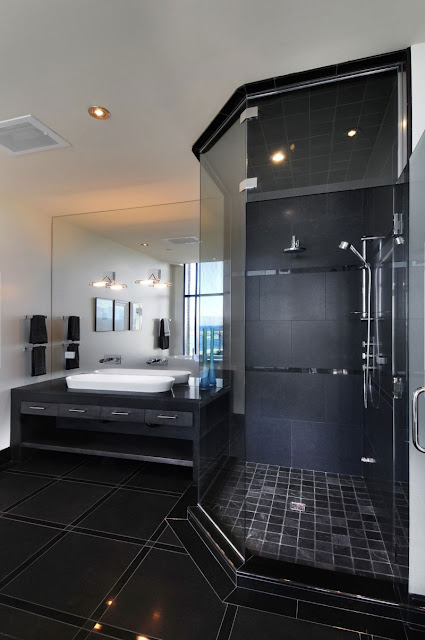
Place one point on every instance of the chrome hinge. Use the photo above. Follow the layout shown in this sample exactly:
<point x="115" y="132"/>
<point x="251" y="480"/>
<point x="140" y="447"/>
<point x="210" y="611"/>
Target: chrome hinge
<point x="368" y="460"/>
<point x="397" y="388"/>
<point x="248" y="183"/>
<point x="397" y="224"/>
<point x="250" y="112"/>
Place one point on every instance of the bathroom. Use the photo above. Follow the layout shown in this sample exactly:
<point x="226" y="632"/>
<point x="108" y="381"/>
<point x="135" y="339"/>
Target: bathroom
<point x="213" y="327"/>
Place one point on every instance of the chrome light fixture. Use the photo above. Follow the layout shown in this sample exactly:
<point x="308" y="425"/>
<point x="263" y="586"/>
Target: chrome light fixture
<point x="154" y="280"/>
<point x="108" y="282"/>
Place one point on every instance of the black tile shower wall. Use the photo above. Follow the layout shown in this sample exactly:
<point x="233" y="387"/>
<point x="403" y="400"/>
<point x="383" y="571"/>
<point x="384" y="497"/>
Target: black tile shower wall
<point x="304" y="320"/>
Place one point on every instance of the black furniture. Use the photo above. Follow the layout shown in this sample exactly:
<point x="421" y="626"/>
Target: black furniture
<point x="161" y="427"/>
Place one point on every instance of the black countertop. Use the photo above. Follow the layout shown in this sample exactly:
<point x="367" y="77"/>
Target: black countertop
<point x="56" y="390"/>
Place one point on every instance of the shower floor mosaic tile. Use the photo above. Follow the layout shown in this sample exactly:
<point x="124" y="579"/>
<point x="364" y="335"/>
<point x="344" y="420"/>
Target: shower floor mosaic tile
<point x="336" y="528"/>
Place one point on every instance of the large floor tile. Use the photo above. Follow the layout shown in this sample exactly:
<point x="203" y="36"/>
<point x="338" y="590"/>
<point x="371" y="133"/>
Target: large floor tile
<point x="168" y="598"/>
<point x="250" y="623"/>
<point x="21" y="625"/>
<point x="111" y="470"/>
<point x="15" y="487"/>
<point x="62" y="502"/>
<point x="169" y="537"/>
<point x="51" y="462"/>
<point x="164" y="477"/>
<point x="18" y="541"/>
<point x="130" y="513"/>
<point x="75" y="574"/>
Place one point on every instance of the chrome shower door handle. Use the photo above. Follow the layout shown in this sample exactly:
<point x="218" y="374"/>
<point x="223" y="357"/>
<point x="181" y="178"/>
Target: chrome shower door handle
<point x="415" y="422"/>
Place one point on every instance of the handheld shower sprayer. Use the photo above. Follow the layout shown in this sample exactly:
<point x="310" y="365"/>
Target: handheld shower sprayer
<point x="366" y="368"/>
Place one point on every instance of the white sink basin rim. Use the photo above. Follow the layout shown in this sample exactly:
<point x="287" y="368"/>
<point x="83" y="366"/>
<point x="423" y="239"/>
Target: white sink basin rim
<point x="120" y="382"/>
<point x="180" y="376"/>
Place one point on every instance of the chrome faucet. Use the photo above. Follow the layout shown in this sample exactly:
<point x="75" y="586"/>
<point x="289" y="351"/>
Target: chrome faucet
<point x="157" y="361"/>
<point x="114" y="359"/>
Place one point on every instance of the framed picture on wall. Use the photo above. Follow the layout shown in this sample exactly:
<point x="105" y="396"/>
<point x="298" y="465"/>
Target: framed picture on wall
<point x="121" y="315"/>
<point x="104" y="314"/>
<point x="136" y="310"/>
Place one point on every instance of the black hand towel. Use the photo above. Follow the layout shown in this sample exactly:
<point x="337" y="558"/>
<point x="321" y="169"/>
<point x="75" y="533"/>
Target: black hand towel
<point x="164" y="340"/>
<point x="38" y="331"/>
<point x="38" y="361"/>
<point x="73" y="363"/>
<point x="74" y="328"/>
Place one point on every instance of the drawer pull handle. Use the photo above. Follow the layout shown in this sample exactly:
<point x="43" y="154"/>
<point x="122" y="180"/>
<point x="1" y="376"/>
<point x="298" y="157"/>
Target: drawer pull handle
<point x="77" y="410"/>
<point x="120" y="413"/>
<point x="38" y="408"/>
<point x="167" y="417"/>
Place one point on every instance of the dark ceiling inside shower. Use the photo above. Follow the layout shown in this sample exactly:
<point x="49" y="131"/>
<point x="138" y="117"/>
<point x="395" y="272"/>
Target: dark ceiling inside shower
<point x="310" y="127"/>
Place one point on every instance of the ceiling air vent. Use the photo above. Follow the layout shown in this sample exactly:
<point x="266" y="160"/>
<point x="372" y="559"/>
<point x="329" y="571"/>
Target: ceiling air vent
<point x="26" y="135"/>
<point x="183" y="240"/>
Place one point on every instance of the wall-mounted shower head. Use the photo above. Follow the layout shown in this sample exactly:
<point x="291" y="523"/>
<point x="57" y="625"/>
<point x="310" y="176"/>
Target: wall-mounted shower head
<point x="347" y="245"/>
<point x="295" y="246"/>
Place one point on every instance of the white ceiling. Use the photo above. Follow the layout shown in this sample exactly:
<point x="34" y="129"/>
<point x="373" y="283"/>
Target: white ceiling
<point x="163" y="68"/>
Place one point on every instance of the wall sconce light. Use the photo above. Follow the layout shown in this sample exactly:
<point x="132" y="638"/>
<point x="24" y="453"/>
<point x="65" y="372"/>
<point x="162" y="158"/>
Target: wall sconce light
<point x="154" y="280"/>
<point x="108" y="282"/>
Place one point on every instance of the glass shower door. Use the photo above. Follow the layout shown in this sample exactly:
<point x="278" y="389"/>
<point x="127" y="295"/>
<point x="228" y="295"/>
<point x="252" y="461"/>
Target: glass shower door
<point x="222" y="252"/>
<point x="416" y="329"/>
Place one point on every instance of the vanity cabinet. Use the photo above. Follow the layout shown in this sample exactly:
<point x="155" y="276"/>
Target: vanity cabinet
<point x="160" y="427"/>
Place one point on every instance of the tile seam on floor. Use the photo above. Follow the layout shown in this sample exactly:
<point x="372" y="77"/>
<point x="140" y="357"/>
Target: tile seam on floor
<point x="154" y="537"/>
<point x="31" y="607"/>
<point x="31" y="495"/>
<point x="43" y="550"/>
<point x="233" y="611"/>
<point x="40" y="615"/>
<point x="12" y="575"/>
<point x="196" y="564"/>
<point x="16" y="517"/>
<point x="158" y="531"/>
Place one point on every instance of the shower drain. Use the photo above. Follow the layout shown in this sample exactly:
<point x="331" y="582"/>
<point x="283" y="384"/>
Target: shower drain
<point x="297" y="506"/>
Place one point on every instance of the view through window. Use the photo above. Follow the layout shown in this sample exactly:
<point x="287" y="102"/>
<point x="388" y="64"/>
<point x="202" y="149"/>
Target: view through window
<point x="203" y="306"/>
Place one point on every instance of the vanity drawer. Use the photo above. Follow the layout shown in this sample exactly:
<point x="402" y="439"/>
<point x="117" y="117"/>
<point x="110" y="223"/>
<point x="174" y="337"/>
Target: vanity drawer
<point x="122" y="414"/>
<point x="170" y="418"/>
<point x="79" y="411"/>
<point x="40" y="408"/>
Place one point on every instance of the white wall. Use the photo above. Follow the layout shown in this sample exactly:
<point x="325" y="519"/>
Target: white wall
<point x="25" y="290"/>
<point x="418" y="92"/>
<point x="81" y="256"/>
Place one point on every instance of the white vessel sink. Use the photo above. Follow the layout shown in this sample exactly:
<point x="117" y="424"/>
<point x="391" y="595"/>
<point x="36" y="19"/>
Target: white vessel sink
<point x="180" y="376"/>
<point x="120" y="382"/>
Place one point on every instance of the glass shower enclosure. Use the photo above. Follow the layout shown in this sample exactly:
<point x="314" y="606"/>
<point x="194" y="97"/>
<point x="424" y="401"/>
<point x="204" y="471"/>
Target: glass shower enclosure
<point x="304" y="201"/>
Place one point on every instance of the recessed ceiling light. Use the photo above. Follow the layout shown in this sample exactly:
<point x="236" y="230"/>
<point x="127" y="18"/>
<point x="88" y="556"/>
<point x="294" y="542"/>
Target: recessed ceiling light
<point x="144" y="244"/>
<point x="278" y="156"/>
<point x="352" y="132"/>
<point x="100" y="113"/>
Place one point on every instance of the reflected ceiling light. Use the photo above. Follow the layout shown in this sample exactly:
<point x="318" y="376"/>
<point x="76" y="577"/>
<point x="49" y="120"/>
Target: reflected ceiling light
<point x="108" y="283"/>
<point x="99" y="113"/>
<point x="109" y="602"/>
<point x="144" y="244"/>
<point x="97" y="626"/>
<point x="142" y="638"/>
<point x="292" y="147"/>
<point x="278" y="156"/>
<point x="351" y="133"/>
<point x="154" y="280"/>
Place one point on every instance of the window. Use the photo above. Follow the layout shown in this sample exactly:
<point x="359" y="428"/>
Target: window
<point x="203" y="306"/>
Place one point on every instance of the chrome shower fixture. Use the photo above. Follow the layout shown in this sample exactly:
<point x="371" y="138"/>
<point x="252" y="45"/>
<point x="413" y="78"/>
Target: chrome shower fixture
<point x="347" y="245"/>
<point x="295" y="246"/>
<point x="366" y="311"/>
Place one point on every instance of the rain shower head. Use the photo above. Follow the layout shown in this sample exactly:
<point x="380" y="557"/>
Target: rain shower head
<point x="295" y="246"/>
<point x="347" y="245"/>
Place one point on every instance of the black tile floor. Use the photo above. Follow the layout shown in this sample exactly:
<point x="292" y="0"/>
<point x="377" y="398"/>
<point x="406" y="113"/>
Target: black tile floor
<point x="86" y="553"/>
<point x="337" y="528"/>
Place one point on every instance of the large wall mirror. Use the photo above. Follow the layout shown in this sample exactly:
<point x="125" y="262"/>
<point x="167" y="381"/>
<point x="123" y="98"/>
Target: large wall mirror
<point x="160" y="243"/>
